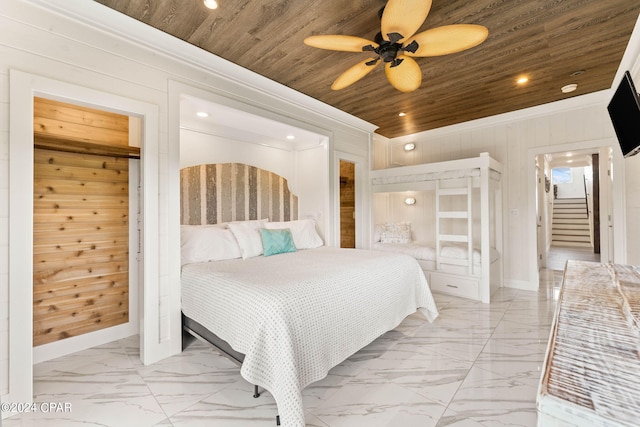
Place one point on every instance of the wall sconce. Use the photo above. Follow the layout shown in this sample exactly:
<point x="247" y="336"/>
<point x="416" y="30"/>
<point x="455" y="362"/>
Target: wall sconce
<point x="410" y="201"/>
<point x="409" y="146"/>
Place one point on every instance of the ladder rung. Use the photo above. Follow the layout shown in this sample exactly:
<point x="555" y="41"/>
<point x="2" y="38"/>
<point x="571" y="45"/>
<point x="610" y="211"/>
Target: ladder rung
<point x="454" y="261"/>
<point x="453" y="214"/>
<point x="452" y="191"/>
<point x="453" y="237"/>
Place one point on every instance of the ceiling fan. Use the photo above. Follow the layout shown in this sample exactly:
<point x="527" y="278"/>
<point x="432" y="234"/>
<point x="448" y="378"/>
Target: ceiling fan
<point x="396" y="44"/>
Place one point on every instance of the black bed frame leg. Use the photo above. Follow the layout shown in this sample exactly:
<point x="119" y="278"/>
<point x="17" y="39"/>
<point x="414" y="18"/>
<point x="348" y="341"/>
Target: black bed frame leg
<point x="256" y="394"/>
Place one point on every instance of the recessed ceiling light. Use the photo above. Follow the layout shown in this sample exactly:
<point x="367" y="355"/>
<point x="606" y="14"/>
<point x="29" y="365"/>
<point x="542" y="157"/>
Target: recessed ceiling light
<point x="569" y="161"/>
<point x="522" y="80"/>
<point x="291" y="137"/>
<point x="569" y="88"/>
<point x="402" y="114"/>
<point x="577" y="73"/>
<point x="202" y="114"/>
<point x="211" y="4"/>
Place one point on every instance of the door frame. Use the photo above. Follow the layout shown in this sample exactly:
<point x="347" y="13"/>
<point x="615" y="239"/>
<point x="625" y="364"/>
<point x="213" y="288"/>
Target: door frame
<point x="616" y="189"/>
<point x="361" y="211"/>
<point x="23" y="87"/>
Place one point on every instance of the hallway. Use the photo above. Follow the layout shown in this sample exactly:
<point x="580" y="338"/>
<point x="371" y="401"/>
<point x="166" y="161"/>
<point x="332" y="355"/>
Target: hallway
<point x="558" y="256"/>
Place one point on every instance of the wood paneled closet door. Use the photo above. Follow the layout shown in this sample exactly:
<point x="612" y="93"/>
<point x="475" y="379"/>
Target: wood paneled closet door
<point x="80" y="219"/>
<point x="347" y="205"/>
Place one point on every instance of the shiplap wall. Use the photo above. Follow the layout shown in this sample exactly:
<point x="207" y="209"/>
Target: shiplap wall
<point x="46" y="39"/>
<point x="508" y="142"/>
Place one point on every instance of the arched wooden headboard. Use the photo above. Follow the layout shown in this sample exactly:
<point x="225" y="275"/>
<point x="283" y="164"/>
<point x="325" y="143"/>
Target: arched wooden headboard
<point x="223" y="192"/>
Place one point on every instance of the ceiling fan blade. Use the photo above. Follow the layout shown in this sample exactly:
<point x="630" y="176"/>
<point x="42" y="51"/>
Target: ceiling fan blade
<point x="404" y="17"/>
<point x="407" y="76"/>
<point x="448" y="39"/>
<point x="339" y="42"/>
<point x="354" y="74"/>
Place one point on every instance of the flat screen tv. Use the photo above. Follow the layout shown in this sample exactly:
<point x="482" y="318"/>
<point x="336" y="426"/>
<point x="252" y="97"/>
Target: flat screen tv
<point x="624" y="109"/>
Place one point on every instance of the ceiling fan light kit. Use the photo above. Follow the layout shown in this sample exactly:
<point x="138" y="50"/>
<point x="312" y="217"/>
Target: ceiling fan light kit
<point x="397" y="43"/>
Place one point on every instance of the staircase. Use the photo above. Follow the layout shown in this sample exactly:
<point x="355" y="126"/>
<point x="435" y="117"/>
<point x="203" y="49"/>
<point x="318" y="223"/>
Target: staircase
<point x="570" y="223"/>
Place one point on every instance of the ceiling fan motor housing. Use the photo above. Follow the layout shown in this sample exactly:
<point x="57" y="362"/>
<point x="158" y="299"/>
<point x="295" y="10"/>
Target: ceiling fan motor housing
<point x="388" y="49"/>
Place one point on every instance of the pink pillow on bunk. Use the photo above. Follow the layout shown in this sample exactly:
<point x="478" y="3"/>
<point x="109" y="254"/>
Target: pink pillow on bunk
<point x="396" y="232"/>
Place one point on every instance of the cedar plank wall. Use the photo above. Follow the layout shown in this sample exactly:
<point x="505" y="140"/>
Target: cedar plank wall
<point x="347" y="205"/>
<point x="80" y="230"/>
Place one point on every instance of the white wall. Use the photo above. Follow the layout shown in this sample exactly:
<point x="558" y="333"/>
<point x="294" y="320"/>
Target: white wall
<point x="579" y="121"/>
<point x="198" y="148"/>
<point x="85" y="44"/>
<point x="632" y="192"/>
<point x="575" y="188"/>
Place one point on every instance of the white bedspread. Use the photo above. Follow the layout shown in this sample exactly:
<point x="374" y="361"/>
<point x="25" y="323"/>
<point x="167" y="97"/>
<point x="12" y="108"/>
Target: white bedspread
<point x="297" y="315"/>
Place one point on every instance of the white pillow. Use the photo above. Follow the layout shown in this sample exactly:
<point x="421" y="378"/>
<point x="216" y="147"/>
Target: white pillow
<point x="377" y="233"/>
<point x="397" y="232"/>
<point x="303" y="231"/>
<point x="202" y="243"/>
<point x="247" y="234"/>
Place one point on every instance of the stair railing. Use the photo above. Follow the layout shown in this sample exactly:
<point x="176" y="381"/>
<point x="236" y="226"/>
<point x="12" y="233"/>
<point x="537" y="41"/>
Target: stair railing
<point x="586" y="194"/>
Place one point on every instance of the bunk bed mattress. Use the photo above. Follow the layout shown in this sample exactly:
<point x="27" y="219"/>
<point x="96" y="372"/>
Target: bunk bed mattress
<point x="295" y="316"/>
<point x="423" y="251"/>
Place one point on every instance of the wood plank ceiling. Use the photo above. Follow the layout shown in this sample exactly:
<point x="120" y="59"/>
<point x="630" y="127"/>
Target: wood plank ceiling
<point x="553" y="42"/>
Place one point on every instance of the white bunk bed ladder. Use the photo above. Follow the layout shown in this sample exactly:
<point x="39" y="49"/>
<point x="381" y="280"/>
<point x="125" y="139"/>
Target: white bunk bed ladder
<point x="440" y="215"/>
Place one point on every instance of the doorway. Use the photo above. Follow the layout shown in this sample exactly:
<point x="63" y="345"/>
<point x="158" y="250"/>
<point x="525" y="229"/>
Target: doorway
<point x="347" y="204"/>
<point x="83" y="278"/>
<point x="568" y="207"/>
<point x="23" y="88"/>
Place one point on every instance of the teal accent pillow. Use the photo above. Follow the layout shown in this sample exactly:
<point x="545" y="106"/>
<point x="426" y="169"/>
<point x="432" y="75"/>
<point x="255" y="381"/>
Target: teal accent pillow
<point x="277" y="241"/>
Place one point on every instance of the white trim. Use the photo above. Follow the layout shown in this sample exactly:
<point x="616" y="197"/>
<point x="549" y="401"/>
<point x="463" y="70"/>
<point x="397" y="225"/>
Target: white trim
<point x="126" y="28"/>
<point x="361" y="212"/>
<point x="23" y="87"/>
<point x="618" y="200"/>
<point x="520" y="284"/>
<point x="70" y="345"/>
<point x="583" y="101"/>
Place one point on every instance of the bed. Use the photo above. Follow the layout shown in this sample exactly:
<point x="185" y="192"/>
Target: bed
<point x="292" y="315"/>
<point x="455" y="232"/>
<point x="425" y="254"/>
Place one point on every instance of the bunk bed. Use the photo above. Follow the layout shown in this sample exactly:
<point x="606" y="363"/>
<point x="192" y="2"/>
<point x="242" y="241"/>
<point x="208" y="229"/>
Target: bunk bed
<point x="463" y="255"/>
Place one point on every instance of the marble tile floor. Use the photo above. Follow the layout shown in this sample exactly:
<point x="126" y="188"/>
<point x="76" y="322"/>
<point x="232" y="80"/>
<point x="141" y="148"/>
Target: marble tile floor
<point x="475" y="366"/>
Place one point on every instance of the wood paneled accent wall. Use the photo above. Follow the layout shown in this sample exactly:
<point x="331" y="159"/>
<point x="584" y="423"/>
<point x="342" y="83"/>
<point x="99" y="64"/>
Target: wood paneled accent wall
<point x="72" y="128"/>
<point x="223" y="192"/>
<point x="80" y="221"/>
<point x="80" y="244"/>
<point x="347" y="205"/>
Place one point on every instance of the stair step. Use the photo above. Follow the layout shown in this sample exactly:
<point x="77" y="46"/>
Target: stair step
<point x="569" y="216"/>
<point x="570" y="238"/>
<point x="576" y="221"/>
<point x="570" y="206"/>
<point x="573" y="200"/>
<point x="569" y="210"/>
<point x="574" y="244"/>
<point x="570" y="226"/>
<point x="564" y="235"/>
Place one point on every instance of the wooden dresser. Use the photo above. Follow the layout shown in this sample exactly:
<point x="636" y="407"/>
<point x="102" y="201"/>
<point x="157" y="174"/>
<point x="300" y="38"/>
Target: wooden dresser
<point x="591" y="373"/>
